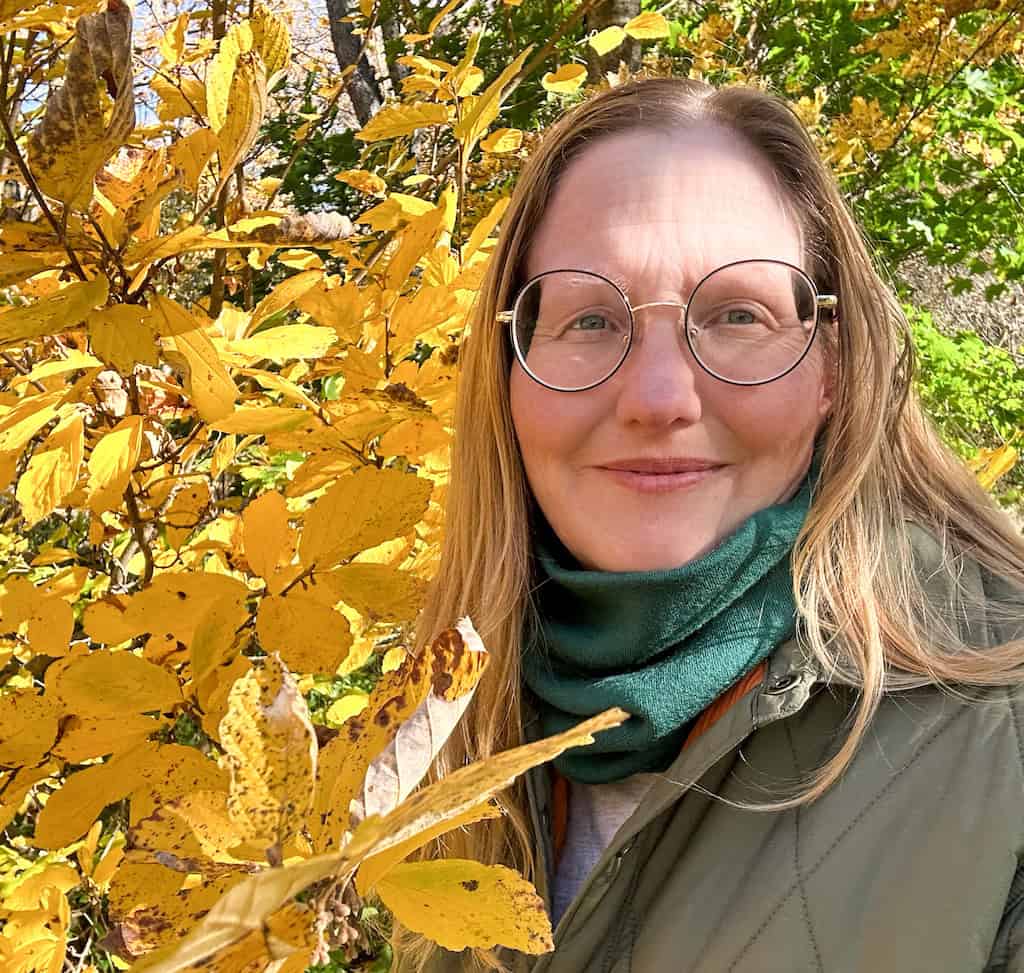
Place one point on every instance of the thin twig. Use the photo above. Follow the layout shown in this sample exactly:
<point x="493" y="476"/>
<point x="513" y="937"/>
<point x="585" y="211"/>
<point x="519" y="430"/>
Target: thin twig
<point x="18" y="367"/>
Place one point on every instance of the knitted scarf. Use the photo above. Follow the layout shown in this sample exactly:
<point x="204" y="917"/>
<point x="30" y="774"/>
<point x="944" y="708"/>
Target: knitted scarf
<point x="662" y="645"/>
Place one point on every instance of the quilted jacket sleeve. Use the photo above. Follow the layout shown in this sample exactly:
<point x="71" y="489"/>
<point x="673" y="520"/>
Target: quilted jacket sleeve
<point x="1008" y="951"/>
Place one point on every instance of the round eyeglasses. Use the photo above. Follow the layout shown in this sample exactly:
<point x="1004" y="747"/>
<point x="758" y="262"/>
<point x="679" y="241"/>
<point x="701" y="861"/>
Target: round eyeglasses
<point x="746" y="323"/>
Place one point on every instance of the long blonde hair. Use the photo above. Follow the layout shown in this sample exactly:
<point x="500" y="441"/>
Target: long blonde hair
<point x="862" y="605"/>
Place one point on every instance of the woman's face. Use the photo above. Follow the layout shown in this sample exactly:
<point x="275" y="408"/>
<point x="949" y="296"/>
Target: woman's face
<point x="660" y="211"/>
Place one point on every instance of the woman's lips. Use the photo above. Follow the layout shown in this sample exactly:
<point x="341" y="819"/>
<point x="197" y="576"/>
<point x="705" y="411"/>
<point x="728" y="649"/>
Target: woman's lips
<point x="659" y="482"/>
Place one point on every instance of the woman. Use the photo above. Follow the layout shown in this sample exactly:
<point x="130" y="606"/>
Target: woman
<point x="690" y="478"/>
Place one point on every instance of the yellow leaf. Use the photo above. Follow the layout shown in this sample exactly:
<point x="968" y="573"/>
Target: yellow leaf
<point x="91" y="115"/>
<point x="25" y="420"/>
<point x="607" y="39"/>
<point x="393" y="659"/>
<point x="28" y="728"/>
<point x="271" y="40"/>
<point x="209" y="386"/>
<point x="389" y="123"/>
<point x="26" y="892"/>
<point x="455" y="662"/>
<point x="246" y="106"/>
<point x="172" y="44"/>
<point x="191" y="153"/>
<point x="51" y="315"/>
<point x="266" y="537"/>
<point x="397" y="209"/>
<point x="176" y="603"/>
<point x="168" y="318"/>
<point x="349" y="705"/>
<point x="18" y="267"/>
<point x="485" y="227"/>
<point x="360" y="511"/>
<point x="377" y="865"/>
<point x="152" y="906"/>
<point x="111" y="463"/>
<point x="257" y="421"/>
<point x="221" y="73"/>
<point x="460" y="904"/>
<point x="270" y="750"/>
<point x="105" y="683"/>
<point x="286" y="342"/>
<point x="300" y="260"/>
<point x="441" y="14"/>
<point x="74" y="361"/>
<point x="648" y="26"/>
<point x="122" y="337"/>
<point x="566" y="79"/>
<point x="17" y="787"/>
<point x="485" y="107"/>
<point x="992" y="464"/>
<point x="417" y="238"/>
<point x="283" y="296"/>
<point x="173" y="769"/>
<point x="183" y="98"/>
<point x="53" y="470"/>
<point x="503" y="140"/>
<point x="108" y="864"/>
<point x="245" y="907"/>
<point x="206" y="815"/>
<point x="376" y="591"/>
<point x="364" y="181"/>
<point x="49" y="618"/>
<point x="309" y="635"/>
<point x="86" y="737"/>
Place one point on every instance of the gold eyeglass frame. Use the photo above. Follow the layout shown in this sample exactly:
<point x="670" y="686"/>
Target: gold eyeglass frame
<point x="827" y="302"/>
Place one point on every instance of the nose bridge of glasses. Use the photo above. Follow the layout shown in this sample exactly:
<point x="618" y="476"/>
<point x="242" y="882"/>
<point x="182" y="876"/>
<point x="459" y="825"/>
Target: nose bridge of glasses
<point x="681" y="316"/>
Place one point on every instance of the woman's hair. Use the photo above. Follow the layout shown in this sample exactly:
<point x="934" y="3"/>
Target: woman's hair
<point x="863" y="606"/>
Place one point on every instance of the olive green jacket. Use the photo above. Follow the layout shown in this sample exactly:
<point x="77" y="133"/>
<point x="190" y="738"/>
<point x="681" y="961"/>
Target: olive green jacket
<point x="913" y="861"/>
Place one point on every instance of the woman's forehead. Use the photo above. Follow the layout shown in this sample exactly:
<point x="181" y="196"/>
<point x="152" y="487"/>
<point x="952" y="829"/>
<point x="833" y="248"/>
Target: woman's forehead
<point x="631" y="204"/>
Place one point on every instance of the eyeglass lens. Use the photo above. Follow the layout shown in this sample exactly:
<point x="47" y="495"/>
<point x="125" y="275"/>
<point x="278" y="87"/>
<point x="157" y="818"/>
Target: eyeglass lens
<point x="748" y="323"/>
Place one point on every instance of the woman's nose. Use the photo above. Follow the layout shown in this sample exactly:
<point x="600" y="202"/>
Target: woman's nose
<point x="659" y="380"/>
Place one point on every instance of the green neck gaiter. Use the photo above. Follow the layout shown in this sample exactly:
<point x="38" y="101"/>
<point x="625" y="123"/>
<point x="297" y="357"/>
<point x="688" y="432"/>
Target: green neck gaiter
<point x="662" y="645"/>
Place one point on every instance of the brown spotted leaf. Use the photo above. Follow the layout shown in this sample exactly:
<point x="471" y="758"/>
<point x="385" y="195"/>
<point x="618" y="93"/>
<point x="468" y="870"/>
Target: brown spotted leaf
<point x="447" y="669"/>
<point x="91" y="116"/>
<point x="270" y="750"/>
<point x="458" y="659"/>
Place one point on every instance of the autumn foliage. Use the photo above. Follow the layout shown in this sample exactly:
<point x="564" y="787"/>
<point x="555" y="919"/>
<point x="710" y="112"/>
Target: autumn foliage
<point x="224" y="431"/>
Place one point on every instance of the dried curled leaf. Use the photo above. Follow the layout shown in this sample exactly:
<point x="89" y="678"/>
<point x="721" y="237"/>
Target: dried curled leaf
<point x="93" y="114"/>
<point x="270" y="750"/>
<point x="457" y="659"/>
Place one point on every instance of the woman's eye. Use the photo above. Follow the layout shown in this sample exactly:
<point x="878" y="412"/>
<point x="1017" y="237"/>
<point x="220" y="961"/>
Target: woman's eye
<point x="590" y="322"/>
<point x="738" y="315"/>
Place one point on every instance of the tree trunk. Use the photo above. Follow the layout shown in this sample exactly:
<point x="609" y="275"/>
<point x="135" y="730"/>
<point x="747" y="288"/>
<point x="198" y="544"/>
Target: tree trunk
<point x="364" y="89"/>
<point x="612" y="12"/>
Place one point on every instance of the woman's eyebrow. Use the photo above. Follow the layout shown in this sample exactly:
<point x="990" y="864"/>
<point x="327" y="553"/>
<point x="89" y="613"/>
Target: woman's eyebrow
<point x="611" y="275"/>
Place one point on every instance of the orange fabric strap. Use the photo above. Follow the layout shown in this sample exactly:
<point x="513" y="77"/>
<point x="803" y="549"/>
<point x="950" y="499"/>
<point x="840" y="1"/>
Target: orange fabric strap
<point x="706" y="720"/>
